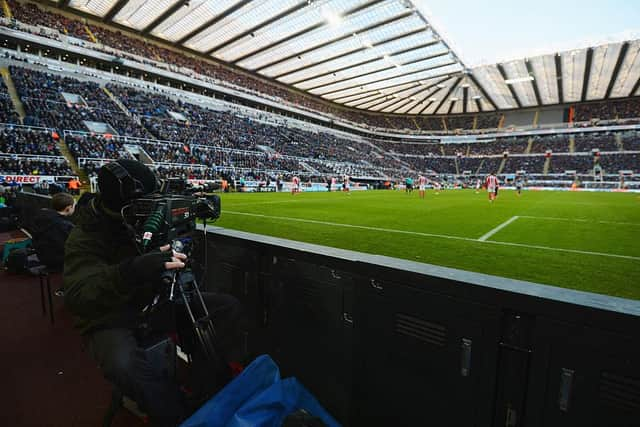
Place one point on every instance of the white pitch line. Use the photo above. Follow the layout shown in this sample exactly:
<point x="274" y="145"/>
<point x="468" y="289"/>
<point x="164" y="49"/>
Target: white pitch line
<point x="498" y="228"/>
<point x="441" y="236"/>
<point x="550" y="218"/>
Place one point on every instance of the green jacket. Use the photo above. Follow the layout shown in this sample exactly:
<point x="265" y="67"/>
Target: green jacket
<point x="94" y="290"/>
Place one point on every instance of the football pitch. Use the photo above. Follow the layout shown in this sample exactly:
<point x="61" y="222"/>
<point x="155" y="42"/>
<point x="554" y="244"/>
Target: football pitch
<point x="584" y="241"/>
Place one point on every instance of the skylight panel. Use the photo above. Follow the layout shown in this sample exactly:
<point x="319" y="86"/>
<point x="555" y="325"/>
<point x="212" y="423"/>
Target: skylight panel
<point x="137" y="14"/>
<point x="94" y="7"/>
<point x="188" y="18"/>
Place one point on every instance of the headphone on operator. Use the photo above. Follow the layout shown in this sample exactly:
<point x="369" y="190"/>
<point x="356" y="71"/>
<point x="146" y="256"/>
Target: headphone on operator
<point x="130" y="187"/>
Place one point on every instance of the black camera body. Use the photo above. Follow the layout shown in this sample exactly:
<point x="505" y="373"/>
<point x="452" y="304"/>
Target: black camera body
<point x="163" y="217"/>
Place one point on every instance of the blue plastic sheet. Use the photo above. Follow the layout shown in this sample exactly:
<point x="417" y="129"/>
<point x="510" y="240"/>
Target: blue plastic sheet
<point x="258" y="397"/>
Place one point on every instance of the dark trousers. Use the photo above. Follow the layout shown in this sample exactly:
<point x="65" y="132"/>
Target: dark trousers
<point x="125" y="363"/>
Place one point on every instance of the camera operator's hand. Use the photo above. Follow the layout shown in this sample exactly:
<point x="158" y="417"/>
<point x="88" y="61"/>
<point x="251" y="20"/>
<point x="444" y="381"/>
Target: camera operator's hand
<point x="177" y="258"/>
<point x="149" y="267"/>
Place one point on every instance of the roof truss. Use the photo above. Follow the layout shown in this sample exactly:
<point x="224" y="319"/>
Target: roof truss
<point x="337" y="40"/>
<point x="304" y="31"/>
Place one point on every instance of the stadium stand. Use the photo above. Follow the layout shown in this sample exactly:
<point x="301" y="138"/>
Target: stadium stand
<point x="34" y="166"/>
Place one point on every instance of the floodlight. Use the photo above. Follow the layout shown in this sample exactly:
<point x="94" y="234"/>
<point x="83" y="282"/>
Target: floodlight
<point x="519" y="80"/>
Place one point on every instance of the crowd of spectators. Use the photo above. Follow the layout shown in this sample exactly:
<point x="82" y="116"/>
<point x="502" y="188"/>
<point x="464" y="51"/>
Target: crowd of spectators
<point x="31" y="14"/>
<point x="459" y="122"/>
<point x="488" y="121"/>
<point x="7" y="113"/>
<point x="608" y="110"/>
<point x="17" y="140"/>
<point x="555" y="143"/>
<point x="578" y="163"/>
<point x="29" y="166"/>
<point x="590" y="141"/>
<point x="42" y="96"/>
<point x="94" y="146"/>
<point x="613" y="163"/>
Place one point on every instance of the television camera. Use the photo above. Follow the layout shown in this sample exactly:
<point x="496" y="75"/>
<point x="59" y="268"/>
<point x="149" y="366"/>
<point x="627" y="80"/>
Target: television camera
<point x="169" y="217"/>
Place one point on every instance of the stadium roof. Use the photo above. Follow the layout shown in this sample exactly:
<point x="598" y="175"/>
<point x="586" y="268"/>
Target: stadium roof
<point x="378" y="55"/>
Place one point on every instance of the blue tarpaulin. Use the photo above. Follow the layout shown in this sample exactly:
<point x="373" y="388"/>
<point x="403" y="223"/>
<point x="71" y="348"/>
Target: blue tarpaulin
<point x="258" y="397"/>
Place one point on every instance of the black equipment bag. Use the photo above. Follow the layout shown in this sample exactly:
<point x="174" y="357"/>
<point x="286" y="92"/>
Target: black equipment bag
<point x="17" y="260"/>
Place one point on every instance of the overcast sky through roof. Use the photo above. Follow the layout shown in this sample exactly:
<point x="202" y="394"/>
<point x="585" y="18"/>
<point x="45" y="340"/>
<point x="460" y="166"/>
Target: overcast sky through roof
<point x="491" y="31"/>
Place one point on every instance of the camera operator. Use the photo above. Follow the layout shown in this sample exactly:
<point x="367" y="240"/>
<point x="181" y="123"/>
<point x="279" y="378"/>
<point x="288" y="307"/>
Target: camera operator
<point x="108" y="283"/>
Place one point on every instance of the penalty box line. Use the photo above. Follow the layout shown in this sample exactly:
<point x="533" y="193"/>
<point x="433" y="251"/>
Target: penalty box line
<point x="441" y="236"/>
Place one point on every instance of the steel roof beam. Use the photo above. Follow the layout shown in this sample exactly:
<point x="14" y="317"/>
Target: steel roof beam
<point x="337" y="40"/>
<point x="114" y="10"/>
<point x="465" y="99"/>
<point x="213" y="21"/>
<point x="351" y="52"/>
<point x="534" y="82"/>
<point x="403" y="102"/>
<point x="255" y="28"/>
<point x="479" y="105"/>
<point x="587" y="74"/>
<point x="417" y="81"/>
<point x="393" y="78"/>
<point x="484" y="92"/>
<point x="433" y="92"/>
<point x="309" y="29"/>
<point x="163" y="16"/>
<point x="511" y="89"/>
<point x="380" y="70"/>
<point x="558" y="60"/>
<point x="451" y="107"/>
<point x="426" y="106"/>
<point x="451" y="89"/>
<point x="63" y="3"/>
<point x="359" y="64"/>
<point x="419" y="91"/>
<point x="387" y="98"/>
<point x="616" y="70"/>
<point x="375" y="98"/>
<point x="635" y="87"/>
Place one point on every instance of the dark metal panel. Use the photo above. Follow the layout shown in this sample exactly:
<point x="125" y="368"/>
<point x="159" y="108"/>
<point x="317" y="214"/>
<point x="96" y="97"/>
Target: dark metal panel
<point x="305" y="30"/>
<point x="616" y="70"/>
<point x="380" y="70"/>
<point x="451" y="107"/>
<point x="211" y="22"/>
<point x="163" y="16"/>
<point x="377" y="58"/>
<point x="451" y="89"/>
<point x="558" y="60"/>
<point x="511" y="89"/>
<point x="465" y="98"/>
<point x="336" y="40"/>
<point x="484" y="92"/>
<point x="269" y="21"/>
<point x="114" y="10"/>
<point x="479" y="105"/>
<point x="587" y="74"/>
<point x="635" y="88"/>
<point x="394" y="77"/>
<point x="63" y="3"/>
<point x="534" y="82"/>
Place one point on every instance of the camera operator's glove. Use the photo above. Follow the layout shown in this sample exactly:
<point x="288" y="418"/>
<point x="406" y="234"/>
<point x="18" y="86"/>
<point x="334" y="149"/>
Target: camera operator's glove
<point x="144" y="268"/>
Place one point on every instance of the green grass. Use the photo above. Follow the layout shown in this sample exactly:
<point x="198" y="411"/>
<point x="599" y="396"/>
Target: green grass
<point x="538" y="246"/>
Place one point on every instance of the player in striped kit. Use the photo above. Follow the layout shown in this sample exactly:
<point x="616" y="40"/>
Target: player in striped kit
<point x="295" y="187"/>
<point x="422" y="183"/>
<point x="492" y="184"/>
